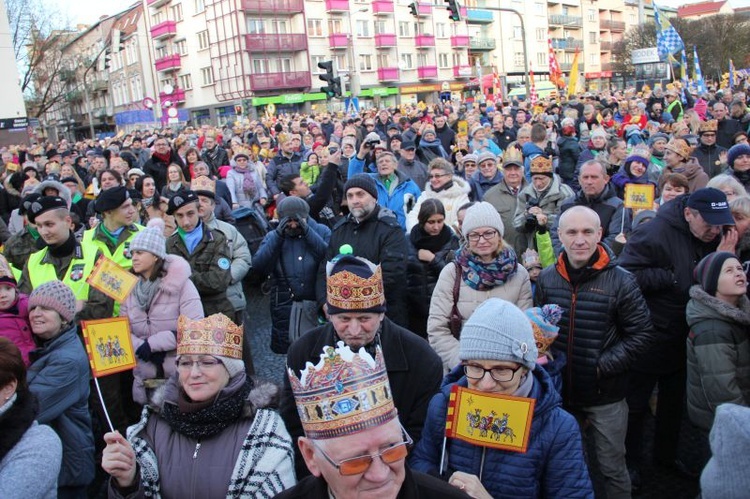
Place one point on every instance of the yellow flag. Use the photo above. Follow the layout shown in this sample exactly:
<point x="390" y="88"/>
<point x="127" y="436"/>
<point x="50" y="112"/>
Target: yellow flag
<point x="111" y="279"/>
<point x="108" y="345"/>
<point x="639" y="196"/>
<point x="573" y="81"/>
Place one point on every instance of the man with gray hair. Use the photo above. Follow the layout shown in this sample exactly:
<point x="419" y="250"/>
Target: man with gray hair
<point x="599" y="195"/>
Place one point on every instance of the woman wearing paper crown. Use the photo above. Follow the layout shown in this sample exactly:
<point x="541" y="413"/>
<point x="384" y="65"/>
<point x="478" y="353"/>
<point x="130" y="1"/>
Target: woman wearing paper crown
<point x="210" y="431"/>
<point x="164" y="292"/>
<point x="498" y="356"/>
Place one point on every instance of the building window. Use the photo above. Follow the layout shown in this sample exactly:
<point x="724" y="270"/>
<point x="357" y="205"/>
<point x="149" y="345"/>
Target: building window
<point x="157" y="18"/>
<point x="314" y="61"/>
<point x="255" y="25"/>
<point x="200" y="6"/>
<point x="202" y="40"/>
<point x="186" y="81"/>
<point x="541" y="34"/>
<point x="363" y="29"/>
<point x="334" y="26"/>
<point x="517" y="33"/>
<point x="261" y="66"/>
<point x="406" y="61"/>
<point x="592" y="36"/>
<point x="539" y="8"/>
<point x="279" y="27"/>
<point x="181" y="46"/>
<point x="541" y="59"/>
<point x="207" y="75"/>
<point x="592" y="14"/>
<point x="283" y="65"/>
<point x="421" y="60"/>
<point x="381" y="27"/>
<point x="518" y="59"/>
<point x="403" y="28"/>
<point x="315" y="27"/>
<point x="592" y="59"/>
<point x="443" y="60"/>
<point x="384" y="61"/>
<point x="440" y="30"/>
<point x="456" y="58"/>
<point x="161" y="51"/>
<point x="176" y="11"/>
<point x="365" y="62"/>
<point x="454" y="29"/>
<point x="339" y="62"/>
<point x="419" y="28"/>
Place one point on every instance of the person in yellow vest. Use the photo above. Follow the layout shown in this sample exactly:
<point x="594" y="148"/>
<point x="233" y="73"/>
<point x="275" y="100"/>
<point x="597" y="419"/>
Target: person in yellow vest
<point x="63" y="258"/>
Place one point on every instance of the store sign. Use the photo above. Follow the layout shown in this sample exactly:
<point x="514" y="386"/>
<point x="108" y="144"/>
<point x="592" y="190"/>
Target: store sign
<point x="599" y="74"/>
<point x="12" y="123"/>
<point x="643" y="56"/>
<point x="415" y="89"/>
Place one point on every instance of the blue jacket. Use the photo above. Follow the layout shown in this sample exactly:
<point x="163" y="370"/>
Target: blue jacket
<point x="480" y="184"/>
<point x="59" y="377"/>
<point x="530" y="151"/>
<point x="403" y="198"/>
<point x="552" y="466"/>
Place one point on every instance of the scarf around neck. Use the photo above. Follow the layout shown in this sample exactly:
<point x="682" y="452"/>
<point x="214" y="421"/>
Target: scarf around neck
<point x="422" y="240"/>
<point x="248" y="182"/>
<point x="144" y="292"/>
<point x="17" y="417"/>
<point x="485" y="276"/>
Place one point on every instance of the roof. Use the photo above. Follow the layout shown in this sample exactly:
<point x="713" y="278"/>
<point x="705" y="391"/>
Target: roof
<point x="699" y="9"/>
<point x="128" y="20"/>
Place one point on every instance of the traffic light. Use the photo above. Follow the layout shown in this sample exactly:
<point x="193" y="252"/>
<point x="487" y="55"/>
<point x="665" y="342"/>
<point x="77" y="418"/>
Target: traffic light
<point x="454" y="9"/>
<point x="414" y="9"/>
<point x="333" y="89"/>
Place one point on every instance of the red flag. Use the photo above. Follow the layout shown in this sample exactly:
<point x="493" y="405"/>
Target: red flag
<point x="533" y="97"/>
<point x="555" y="73"/>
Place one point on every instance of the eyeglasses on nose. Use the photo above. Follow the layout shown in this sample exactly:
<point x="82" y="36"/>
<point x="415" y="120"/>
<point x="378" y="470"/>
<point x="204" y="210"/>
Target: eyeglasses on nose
<point x="360" y="464"/>
<point x="439" y="175"/>
<point x="202" y="364"/>
<point x="474" y="237"/>
<point x="502" y="374"/>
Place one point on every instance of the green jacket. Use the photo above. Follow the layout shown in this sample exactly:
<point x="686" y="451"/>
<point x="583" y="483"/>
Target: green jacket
<point x="18" y="248"/>
<point x="210" y="263"/>
<point x="718" y="355"/>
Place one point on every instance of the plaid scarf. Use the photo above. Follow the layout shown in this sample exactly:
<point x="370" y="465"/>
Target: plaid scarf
<point x="485" y="276"/>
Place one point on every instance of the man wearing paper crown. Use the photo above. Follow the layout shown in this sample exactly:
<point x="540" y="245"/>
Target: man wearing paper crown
<point x="711" y="156"/>
<point x="214" y="430"/>
<point x="356" y="309"/>
<point x="354" y="444"/>
<point x="498" y="359"/>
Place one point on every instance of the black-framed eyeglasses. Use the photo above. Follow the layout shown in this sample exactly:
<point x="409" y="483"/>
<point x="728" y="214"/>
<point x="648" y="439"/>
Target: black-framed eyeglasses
<point x="474" y="237"/>
<point x="360" y="464"/>
<point x="502" y="374"/>
<point x="439" y="175"/>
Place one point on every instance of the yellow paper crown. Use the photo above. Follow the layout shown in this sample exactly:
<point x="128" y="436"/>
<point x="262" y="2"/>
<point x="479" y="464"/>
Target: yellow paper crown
<point x="541" y="165"/>
<point x="513" y="155"/>
<point x="708" y="126"/>
<point x="680" y="147"/>
<point x="204" y="184"/>
<point x="345" y="393"/>
<point x="215" y="335"/>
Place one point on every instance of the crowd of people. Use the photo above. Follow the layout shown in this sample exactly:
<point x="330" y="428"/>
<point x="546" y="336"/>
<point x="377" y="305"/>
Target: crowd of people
<point x="407" y="251"/>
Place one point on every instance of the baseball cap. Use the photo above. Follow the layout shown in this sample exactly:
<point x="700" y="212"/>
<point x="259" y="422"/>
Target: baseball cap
<point x="712" y="205"/>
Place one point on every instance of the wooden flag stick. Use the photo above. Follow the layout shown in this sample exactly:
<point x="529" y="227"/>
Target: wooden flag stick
<point x="104" y="407"/>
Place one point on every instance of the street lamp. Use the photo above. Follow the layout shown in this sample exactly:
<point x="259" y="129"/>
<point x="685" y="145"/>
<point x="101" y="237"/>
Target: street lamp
<point x="354" y="86"/>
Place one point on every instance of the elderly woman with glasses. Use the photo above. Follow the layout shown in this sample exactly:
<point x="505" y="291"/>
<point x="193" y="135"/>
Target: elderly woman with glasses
<point x="209" y="432"/>
<point x="245" y="183"/>
<point x="498" y="355"/>
<point x="486" y="267"/>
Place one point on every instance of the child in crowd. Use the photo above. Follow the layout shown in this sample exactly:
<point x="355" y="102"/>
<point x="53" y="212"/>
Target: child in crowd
<point x="14" y="312"/>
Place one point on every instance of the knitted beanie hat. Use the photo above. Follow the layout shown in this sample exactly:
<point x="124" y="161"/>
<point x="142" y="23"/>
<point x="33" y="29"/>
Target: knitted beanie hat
<point x="233" y="366"/>
<point x="364" y="182"/>
<point x="482" y="214"/>
<point x="293" y="207"/>
<point x="736" y="151"/>
<point x="707" y="271"/>
<point x="151" y="239"/>
<point x="498" y="330"/>
<point x="6" y="275"/>
<point x="55" y="295"/>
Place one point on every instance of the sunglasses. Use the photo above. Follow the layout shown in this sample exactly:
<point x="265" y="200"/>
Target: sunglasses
<point x="360" y="464"/>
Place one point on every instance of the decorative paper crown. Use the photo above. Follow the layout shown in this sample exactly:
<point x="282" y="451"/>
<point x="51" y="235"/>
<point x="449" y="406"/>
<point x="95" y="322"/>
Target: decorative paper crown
<point x="680" y="147"/>
<point x="513" y="155"/>
<point x="203" y="184"/>
<point x="346" y="290"/>
<point x="544" y="324"/>
<point x="708" y="126"/>
<point x="541" y="165"/>
<point x="6" y="275"/>
<point x="345" y="393"/>
<point x="214" y="335"/>
<point x="531" y="259"/>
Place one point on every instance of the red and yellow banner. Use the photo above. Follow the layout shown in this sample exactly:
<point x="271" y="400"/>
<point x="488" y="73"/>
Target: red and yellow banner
<point x="108" y="345"/>
<point x="489" y="420"/>
<point x="111" y="279"/>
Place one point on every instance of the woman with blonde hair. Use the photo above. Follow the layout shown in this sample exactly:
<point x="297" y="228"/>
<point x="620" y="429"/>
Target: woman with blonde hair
<point x="176" y="182"/>
<point x="67" y="171"/>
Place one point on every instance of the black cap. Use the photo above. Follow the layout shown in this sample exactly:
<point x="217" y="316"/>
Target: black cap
<point x="52" y="153"/>
<point x="25" y="205"/>
<point x="180" y="200"/>
<point x="110" y="199"/>
<point x="408" y="144"/>
<point x="712" y="205"/>
<point x="44" y="204"/>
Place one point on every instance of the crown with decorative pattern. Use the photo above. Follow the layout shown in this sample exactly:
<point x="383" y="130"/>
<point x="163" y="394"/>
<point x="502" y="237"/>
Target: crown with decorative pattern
<point x="215" y="335"/>
<point x="203" y="185"/>
<point x="679" y="147"/>
<point x="708" y="126"/>
<point x="346" y="392"/>
<point x="541" y="165"/>
<point x="354" y="284"/>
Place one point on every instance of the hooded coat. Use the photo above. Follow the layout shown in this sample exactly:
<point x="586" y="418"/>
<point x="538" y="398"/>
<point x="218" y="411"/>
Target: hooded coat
<point x="452" y="198"/>
<point x="548" y="200"/>
<point x="718" y="355"/>
<point x="697" y="178"/>
<point x="14" y="325"/>
<point x="176" y="295"/>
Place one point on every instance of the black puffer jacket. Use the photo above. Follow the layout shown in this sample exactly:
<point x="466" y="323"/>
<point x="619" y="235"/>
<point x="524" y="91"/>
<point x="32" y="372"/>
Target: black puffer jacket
<point x="662" y="255"/>
<point x="610" y="327"/>
<point x="708" y="157"/>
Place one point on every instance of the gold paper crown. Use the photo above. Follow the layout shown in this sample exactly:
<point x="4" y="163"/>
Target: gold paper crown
<point x="513" y="155"/>
<point x="708" y="126"/>
<point x="215" y="335"/>
<point x="346" y="290"/>
<point x="541" y="165"/>
<point x="679" y="147"/>
<point x="542" y="341"/>
<point x="204" y="184"/>
<point x="345" y="393"/>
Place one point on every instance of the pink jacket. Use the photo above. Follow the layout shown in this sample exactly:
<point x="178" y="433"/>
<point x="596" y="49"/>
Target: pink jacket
<point x="176" y="295"/>
<point x="14" y="325"/>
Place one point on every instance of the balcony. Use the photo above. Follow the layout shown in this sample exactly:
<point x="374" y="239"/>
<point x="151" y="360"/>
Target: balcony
<point x="604" y="46"/>
<point x="567" y="66"/>
<point x="280" y="81"/>
<point x="74" y="96"/>
<point x="567" y="21"/>
<point x="168" y="63"/>
<point x="337" y="5"/>
<point x="570" y="44"/>
<point x="479" y="16"/>
<point x="462" y="71"/>
<point x="99" y="86"/>
<point x="155" y="4"/>
<point x="178" y="95"/>
<point x="164" y="30"/>
<point x="618" y="26"/>
<point x="424" y="9"/>
<point x="459" y="41"/>
<point x="388" y="74"/>
<point x="384" y="40"/>
<point x="338" y="41"/>
<point x="424" y="41"/>
<point x="67" y="75"/>
<point x="382" y="7"/>
<point x="273" y="6"/>
<point x="481" y="43"/>
<point x="427" y="72"/>
<point x="276" y="43"/>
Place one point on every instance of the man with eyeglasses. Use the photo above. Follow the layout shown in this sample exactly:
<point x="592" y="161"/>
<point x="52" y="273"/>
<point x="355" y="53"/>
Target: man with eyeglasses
<point x="157" y="165"/>
<point x="711" y="156"/>
<point x="358" y="448"/>
<point x="604" y="328"/>
<point x="355" y="305"/>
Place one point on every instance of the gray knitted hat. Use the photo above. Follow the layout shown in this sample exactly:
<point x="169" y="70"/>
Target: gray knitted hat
<point x="151" y="239"/>
<point x="498" y="330"/>
<point x="57" y="296"/>
<point x="293" y="207"/>
<point x="482" y="215"/>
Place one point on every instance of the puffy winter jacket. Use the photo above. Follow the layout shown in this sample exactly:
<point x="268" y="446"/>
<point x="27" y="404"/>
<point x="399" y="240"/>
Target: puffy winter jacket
<point x="718" y="355"/>
<point x="452" y="198"/>
<point x="570" y="151"/>
<point x="549" y="201"/>
<point x="708" y="157"/>
<point x="605" y="326"/>
<point x="14" y="325"/>
<point x="552" y="466"/>
<point x="481" y="184"/>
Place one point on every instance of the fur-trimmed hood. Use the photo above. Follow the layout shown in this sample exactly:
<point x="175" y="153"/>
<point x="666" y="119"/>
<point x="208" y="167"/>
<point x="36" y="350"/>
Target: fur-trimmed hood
<point x="63" y="191"/>
<point x="703" y="306"/>
<point x="178" y="272"/>
<point x="459" y="188"/>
